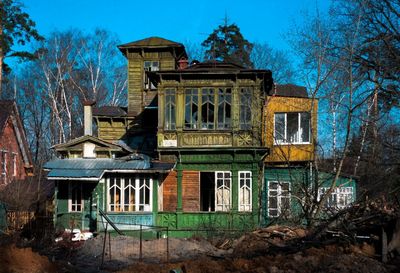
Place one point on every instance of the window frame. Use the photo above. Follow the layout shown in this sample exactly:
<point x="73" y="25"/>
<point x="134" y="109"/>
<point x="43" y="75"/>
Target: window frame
<point x="170" y="109"/>
<point x="223" y="207"/>
<point x="241" y="206"/>
<point x="285" y="140"/>
<point x="245" y="95"/>
<point x="147" y="207"/>
<point x="193" y="123"/>
<point x="146" y="83"/>
<point x="71" y="187"/>
<point x="333" y="201"/>
<point x="203" y="121"/>
<point x="279" y="198"/>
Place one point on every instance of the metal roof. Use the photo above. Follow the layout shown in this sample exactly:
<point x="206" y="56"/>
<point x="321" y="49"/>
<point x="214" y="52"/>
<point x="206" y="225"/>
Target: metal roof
<point x="94" y="169"/>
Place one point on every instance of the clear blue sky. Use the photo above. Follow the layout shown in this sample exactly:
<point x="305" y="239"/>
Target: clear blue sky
<point x="180" y="21"/>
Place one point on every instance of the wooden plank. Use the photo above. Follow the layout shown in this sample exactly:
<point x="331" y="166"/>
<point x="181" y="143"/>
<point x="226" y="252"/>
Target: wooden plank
<point x="191" y="191"/>
<point x="170" y="192"/>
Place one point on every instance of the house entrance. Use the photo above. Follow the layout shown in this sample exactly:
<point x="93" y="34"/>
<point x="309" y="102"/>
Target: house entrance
<point x="207" y="191"/>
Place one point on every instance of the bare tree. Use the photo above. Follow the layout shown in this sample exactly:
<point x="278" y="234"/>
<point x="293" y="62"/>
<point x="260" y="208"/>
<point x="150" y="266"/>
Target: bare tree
<point x="278" y="61"/>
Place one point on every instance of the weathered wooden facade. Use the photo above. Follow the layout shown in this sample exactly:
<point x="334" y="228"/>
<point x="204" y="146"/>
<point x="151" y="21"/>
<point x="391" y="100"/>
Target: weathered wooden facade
<point x="210" y="146"/>
<point x="210" y="124"/>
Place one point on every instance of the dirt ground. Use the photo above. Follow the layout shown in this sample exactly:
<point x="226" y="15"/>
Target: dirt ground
<point x="254" y="252"/>
<point x="14" y="259"/>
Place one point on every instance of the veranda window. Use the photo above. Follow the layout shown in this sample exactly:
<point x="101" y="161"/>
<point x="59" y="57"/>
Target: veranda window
<point x="245" y="108"/>
<point x="170" y="110"/>
<point x="292" y="128"/>
<point x="224" y="108"/>
<point x="191" y="108"/>
<point x="278" y="199"/>
<point x="245" y="188"/>
<point x="129" y="193"/>
<point x="207" y="108"/>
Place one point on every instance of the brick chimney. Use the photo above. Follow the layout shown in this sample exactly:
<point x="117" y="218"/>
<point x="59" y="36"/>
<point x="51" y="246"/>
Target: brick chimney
<point x="88" y="117"/>
<point x="183" y="63"/>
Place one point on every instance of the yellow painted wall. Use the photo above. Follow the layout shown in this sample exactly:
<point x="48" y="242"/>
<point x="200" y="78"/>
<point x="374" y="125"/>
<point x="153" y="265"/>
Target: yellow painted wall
<point x="289" y="152"/>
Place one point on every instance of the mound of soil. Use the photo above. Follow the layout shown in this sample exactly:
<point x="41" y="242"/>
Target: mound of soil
<point x="23" y="260"/>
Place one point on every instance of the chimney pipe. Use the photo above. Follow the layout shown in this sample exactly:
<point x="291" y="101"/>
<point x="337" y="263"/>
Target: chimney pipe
<point x="183" y="63"/>
<point x="88" y="117"/>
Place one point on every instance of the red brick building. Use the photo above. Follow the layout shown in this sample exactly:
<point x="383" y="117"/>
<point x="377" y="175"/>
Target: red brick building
<point x="15" y="157"/>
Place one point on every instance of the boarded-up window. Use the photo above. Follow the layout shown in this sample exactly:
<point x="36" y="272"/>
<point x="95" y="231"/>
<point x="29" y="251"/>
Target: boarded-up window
<point x="170" y="192"/>
<point x="191" y="191"/>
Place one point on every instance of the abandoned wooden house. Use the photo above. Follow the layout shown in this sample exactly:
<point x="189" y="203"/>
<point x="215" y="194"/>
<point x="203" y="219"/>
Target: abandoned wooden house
<point x="201" y="146"/>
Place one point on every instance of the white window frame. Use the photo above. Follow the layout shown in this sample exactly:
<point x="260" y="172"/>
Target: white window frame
<point x="71" y="205"/>
<point x="241" y="190"/>
<point x="279" y="197"/>
<point x="138" y="206"/>
<point x="299" y="129"/>
<point x="223" y="206"/>
<point x="341" y="197"/>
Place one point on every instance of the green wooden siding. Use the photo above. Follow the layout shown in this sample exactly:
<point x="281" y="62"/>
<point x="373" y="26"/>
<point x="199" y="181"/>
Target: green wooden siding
<point x="297" y="177"/>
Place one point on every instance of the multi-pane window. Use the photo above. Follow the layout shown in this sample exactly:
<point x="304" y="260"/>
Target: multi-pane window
<point x="207" y="108"/>
<point x="170" y="109"/>
<point x="245" y="108"/>
<point x="75" y="197"/>
<point x="222" y="191"/>
<point x="150" y="66"/>
<point x="129" y="193"/>
<point x="278" y="199"/>
<point x="224" y="108"/>
<point x="339" y="198"/>
<point x="245" y="191"/>
<point x="292" y="127"/>
<point x="191" y="108"/>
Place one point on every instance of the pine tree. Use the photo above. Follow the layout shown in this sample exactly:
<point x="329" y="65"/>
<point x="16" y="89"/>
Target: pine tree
<point x="226" y="43"/>
<point x="15" y="28"/>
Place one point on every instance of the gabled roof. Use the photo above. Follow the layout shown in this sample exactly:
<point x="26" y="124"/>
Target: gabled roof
<point x="289" y="90"/>
<point x="76" y="141"/>
<point x="9" y="110"/>
<point x="155" y="43"/>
